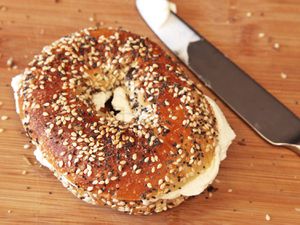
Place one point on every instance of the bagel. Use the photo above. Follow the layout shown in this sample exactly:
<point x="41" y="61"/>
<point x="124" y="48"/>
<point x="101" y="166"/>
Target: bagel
<point x="118" y="122"/>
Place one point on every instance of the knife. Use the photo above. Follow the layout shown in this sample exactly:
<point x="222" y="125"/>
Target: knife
<point x="251" y="102"/>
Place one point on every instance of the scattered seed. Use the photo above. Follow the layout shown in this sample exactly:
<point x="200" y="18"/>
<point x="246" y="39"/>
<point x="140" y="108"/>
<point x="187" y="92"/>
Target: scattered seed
<point x="230" y="190"/>
<point x="261" y="35"/>
<point x="4" y="117"/>
<point x="1" y="130"/>
<point x="297" y="209"/>
<point x="283" y="75"/>
<point x="276" y="45"/>
<point x="9" y="211"/>
<point x="249" y="14"/>
<point x="24" y="172"/>
<point x="268" y="217"/>
<point x="10" y="62"/>
<point x="26" y="146"/>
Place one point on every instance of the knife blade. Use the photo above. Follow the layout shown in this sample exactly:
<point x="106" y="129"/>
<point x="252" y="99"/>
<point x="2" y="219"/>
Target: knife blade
<point x="250" y="101"/>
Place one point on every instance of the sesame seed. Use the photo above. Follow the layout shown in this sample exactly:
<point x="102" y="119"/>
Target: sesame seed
<point x="134" y="156"/>
<point x="90" y="188"/>
<point x="261" y="35"/>
<point x="24" y="172"/>
<point x="268" y="217"/>
<point x="26" y="146"/>
<point x="159" y="166"/>
<point x="1" y="130"/>
<point x="230" y="190"/>
<point x="4" y="117"/>
<point x="60" y="164"/>
<point x="249" y="14"/>
<point x="283" y="75"/>
<point x="149" y="185"/>
<point x="276" y="45"/>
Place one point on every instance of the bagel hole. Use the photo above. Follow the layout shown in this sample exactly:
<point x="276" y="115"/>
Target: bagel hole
<point x="109" y="107"/>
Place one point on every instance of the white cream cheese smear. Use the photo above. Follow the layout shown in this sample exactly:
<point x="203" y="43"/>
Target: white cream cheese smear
<point x="201" y="182"/>
<point x="15" y="83"/>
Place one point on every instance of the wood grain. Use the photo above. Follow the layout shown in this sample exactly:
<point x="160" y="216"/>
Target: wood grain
<point x="264" y="179"/>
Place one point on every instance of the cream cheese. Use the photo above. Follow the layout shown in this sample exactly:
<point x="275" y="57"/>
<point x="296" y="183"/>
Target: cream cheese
<point x="100" y="98"/>
<point x="121" y="103"/>
<point x="201" y="182"/>
<point x="16" y="83"/>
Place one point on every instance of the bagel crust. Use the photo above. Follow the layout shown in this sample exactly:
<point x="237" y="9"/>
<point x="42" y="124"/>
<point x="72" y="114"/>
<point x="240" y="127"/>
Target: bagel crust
<point x="167" y="136"/>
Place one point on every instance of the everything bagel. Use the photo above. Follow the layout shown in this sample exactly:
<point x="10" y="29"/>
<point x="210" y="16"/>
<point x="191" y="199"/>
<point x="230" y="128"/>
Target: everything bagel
<point x="118" y="122"/>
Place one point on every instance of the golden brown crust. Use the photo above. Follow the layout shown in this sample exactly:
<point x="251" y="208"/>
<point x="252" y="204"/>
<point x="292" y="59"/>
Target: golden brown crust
<point x="99" y="154"/>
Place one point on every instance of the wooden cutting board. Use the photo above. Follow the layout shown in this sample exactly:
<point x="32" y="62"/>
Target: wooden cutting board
<point x="256" y="179"/>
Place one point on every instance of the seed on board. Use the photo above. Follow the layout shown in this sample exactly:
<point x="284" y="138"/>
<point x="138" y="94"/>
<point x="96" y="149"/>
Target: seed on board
<point x="249" y="14"/>
<point x="261" y="35"/>
<point x="4" y="117"/>
<point x="229" y="190"/>
<point x="276" y="45"/>
<point x="268" y="217"/>
<point x="283" y="75"/>
<point x="24" y="172"/>
<point x="1" y="130"/>
<point x="26" y="146"/>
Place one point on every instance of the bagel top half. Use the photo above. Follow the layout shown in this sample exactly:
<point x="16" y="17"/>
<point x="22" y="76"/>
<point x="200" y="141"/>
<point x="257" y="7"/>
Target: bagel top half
<point x="116" y="116"/>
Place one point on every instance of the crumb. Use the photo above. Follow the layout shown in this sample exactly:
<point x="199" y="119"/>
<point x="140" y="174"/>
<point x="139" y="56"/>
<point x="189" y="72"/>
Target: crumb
<point x="50" y="193"/>
<point x="79" y="10"/>
<point x="28" y="187"/>
<point x="210" y="194"/>
<point x="56" y="1"/>
<point x="24" y="172"/>
<point x="26" y="146"/>
<point x="268" y="217"/>
<point x="4" y="117"/>
<point x="283" y="75"/>
<point x="1" y="130"/>
<point x="249" y="14"/>
<point x="276" y="45"/>
<point x="10" y="62"/>
<point x="296" y="102"/>
<point x="15" y="67"/>
<point x="9" y="211"/>
<point x="229" y="190"/>
<point x="261" y="35"/>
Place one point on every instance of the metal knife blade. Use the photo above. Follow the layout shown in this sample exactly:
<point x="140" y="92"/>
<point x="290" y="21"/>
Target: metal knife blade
<point x="257" y="107"/>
